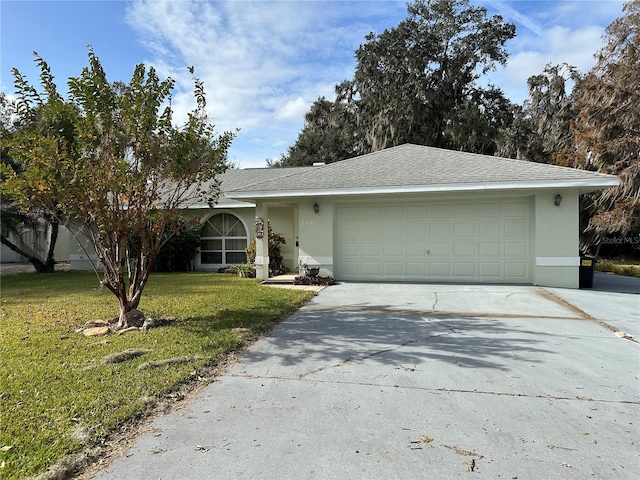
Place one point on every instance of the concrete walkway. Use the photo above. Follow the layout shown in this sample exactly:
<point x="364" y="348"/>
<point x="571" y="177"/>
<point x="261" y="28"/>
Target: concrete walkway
<point x="401" y="381"/>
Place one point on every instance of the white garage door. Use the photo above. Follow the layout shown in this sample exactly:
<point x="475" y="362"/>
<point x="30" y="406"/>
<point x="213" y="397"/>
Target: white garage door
<point x="476" y="241"/>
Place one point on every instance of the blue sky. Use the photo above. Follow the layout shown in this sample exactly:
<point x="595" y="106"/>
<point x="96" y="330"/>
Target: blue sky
<point x="264" y="62"/>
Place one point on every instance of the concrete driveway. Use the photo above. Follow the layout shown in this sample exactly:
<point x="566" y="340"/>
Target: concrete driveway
<point x="399" y="381"/>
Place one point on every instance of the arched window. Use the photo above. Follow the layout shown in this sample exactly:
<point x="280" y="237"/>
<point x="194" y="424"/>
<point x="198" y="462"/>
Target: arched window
<point x="223" y="241"/>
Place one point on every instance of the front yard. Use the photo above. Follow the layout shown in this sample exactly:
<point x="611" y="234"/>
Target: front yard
<point x="60" y="391"/>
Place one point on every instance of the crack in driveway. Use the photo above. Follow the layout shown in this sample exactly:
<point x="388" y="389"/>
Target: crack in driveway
<point x="435" y="390"/>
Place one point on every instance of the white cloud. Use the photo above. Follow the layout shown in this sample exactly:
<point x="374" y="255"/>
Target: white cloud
<point x="264" y="62"/>
<point x="570" y="32"/>
<point x="293" y="109"/>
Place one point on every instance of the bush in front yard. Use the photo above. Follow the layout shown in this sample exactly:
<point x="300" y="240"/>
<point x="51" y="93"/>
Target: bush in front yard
<point x="319" y="281"/>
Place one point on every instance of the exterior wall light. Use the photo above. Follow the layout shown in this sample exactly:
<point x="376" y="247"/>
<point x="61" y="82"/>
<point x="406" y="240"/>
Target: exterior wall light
<point x="316" y="207"/>
<point x="557" y="200"/>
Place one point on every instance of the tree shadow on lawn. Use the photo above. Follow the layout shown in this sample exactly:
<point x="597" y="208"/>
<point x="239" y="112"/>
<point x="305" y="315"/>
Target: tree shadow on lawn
<point x="239" y="324"/>
<point x="328" y="337"/>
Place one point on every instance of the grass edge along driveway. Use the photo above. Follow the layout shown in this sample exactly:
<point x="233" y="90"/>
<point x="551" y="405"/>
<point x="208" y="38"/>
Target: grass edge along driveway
<point x="59" y="393"/>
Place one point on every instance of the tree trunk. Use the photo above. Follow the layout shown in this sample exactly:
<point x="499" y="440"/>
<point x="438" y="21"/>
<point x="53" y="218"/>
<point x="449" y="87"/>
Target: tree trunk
<point x="46" y="266"/>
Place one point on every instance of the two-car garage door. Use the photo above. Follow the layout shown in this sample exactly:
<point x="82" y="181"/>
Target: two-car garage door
<point x="476" y="241"/>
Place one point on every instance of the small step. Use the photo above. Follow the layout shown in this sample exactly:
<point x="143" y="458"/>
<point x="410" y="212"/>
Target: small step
<point x="280" y="280"/>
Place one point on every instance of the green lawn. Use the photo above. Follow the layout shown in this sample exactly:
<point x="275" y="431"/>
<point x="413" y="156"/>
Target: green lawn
<point x="57" y="396"/>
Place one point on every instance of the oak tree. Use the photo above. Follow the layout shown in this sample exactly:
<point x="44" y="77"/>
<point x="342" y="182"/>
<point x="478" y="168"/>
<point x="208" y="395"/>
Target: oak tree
<point x="607" y="129"/>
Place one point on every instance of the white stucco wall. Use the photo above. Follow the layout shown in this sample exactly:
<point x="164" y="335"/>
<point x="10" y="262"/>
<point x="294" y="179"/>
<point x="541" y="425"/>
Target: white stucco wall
<point x="556" y="239"/>
<point x="316" y="234"/>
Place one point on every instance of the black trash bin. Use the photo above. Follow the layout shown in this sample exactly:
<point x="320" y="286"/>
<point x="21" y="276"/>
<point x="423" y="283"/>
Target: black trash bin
<point x="587" y="267"/>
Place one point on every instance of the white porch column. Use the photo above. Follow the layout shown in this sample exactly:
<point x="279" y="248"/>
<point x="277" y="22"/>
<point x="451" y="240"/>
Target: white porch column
<point x="262" y="244"/>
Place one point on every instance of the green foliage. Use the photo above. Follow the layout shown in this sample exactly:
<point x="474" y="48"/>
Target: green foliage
<point x="328" y="135"/>
<point x="276" y="240"/>
<point x="14" y="220"/>
<point x="180" y="244"/>
<point x="180" y="249"/>
<point x="415" y="83"/>
<point x="113" y="167"/>
<point x="58" y="394"/>
<point x="317" y="281"/>
<point x="607" y="129"/>
<point x="618" y="268"/>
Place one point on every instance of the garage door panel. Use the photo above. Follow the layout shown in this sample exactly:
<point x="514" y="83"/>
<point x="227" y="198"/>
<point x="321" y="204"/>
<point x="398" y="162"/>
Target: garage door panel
<point x="371" y="231"/>
<point x="490" y="229"/>
<point x="416" y="269"/>
<point x="464" y="210"/>
<point x="516" y="209"/>
<point x="349" y="232"/>
<point x="393" y="250"/>
<point x="348" y="213"/>
<point x="416" y="230"/>
<point x="515" y="249"/>
<point x="445" y="240"/>
<point x="493" y="270"/>
<point x="464" y="269"/>
<point x="394" y="269"/>
<point x="393" y="231"/>
<point x="438" y="210"/>
<point x="464" y="230"/>
<point x="489" y="210"/>
<point x="371" y="249"/>
<point x="467" y="249"/>
<point x="414" y="212"/>
<point x="439" y="249"/>
<point x="348" y="250"/>
<point x="416" y="249"/>
<point x="440" y="269"/>
<point x="371" y="269"/>
<point x="439" y="230"/>
<point x="350" y="269"/>
<point x="395" y="212"/>
<point x="516" y="228"/>
<point x="489" y="249"/>
<point x="370" y="212"/>
<point x="517" y="270"/>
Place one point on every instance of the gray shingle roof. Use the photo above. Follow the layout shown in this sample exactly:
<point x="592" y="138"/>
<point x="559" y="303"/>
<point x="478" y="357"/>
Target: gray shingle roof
<point x="415" y="168"/>
<point x="241" y="179"/>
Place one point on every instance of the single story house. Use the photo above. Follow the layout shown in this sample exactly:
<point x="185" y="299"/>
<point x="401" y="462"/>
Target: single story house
<point x="408" y="213"/>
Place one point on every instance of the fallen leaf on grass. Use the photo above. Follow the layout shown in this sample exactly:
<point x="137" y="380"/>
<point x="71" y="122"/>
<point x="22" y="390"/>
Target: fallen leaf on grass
<point x="167" y="361"/>
<point x="6" y="448"/>
<point x="127" y="354"/>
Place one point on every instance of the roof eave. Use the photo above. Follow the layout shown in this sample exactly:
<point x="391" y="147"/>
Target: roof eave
<point x="584" y="185"/>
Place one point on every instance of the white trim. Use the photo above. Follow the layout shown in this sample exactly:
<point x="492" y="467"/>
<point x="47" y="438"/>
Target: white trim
<point x="261" y="260"/>
<point x="585" y="185"/>
<point x="309" y="260"/>
<point x="226" y="204"/>
<point x="557" y="261"/>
